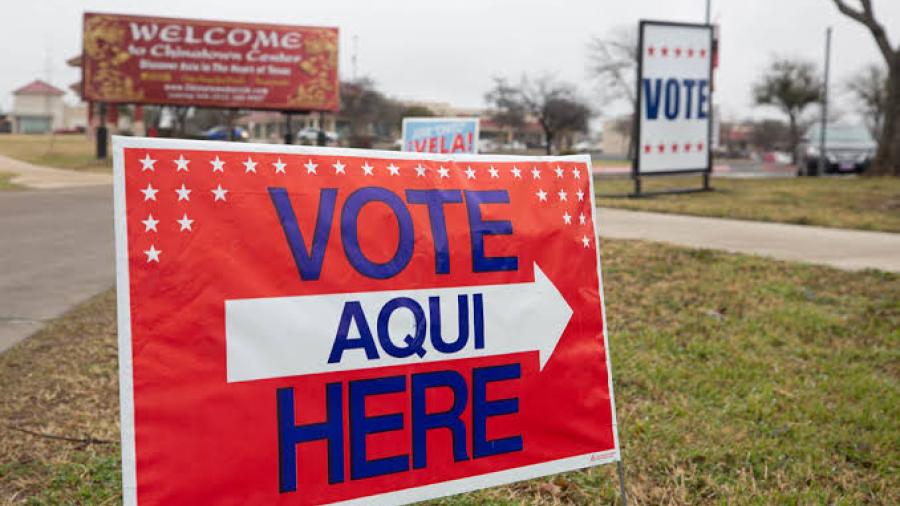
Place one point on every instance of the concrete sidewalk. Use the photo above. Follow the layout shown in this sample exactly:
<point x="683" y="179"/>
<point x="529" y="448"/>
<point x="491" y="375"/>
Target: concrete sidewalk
<point x="44" y="178"/>
<point x="56" y="250"/>
<point x="844" y="249"/>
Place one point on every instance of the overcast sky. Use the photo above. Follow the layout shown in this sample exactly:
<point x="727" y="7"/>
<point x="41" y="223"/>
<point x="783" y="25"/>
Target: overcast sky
<point x="448" y="51"/>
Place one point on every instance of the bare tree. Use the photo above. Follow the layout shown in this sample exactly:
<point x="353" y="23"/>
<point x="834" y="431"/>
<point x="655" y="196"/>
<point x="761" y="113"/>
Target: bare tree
<point x="887" y="159"/>
<point x="791" y="86"/>
<point x="612" y="60"/>
<point x="554" y="105"/>
<point x="507" y="109"/>
<point x="368" y="113"/>
<point x="869" y="88"/>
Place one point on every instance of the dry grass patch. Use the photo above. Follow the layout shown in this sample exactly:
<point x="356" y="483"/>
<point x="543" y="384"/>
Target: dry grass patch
<point x="74" y="151"/>
<point x="842" y="202"/>
<point x="739" y="380"/>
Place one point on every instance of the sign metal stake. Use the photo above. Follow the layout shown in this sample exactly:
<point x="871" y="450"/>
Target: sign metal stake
<point x="621" y="470"/>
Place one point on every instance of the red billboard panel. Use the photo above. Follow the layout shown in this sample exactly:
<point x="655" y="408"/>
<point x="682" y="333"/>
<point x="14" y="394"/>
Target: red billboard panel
<point x="149" y="60"/>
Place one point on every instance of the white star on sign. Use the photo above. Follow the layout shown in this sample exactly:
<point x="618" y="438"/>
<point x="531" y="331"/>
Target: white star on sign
<point x="420" y="171"/>
<point x="585" y="241"/>
<point x="147" y="163"/>
<point x="149" y="192"/>
<point x="581" y="218"/>
<point x="516" y="173"/>
<point x="444" y="172"/>
<point x="535" y="173"/>
<point x="562" y="195"/>
<point x="338" y="167"/>
<point x="183" y="193"/>
<point x="494" y="172"/>
<point x="218" y="165"/>
<point x="367" y="169"/>
<point x="393" y="169"/>
<point x="185" y="223"/>
<point x="541" y="195"/>
<point x="279" y="166"/>
<point x="219" y="193"/>
<point x="150" y="223"/>
<point x="559" y="171"/>
<point x="152" y="254"/>
<point x="576" y="173"/>
<point x="580" y="195"/>
<point x="470" y="173"/>
<point x="182" y="164"/>
<point x="250" y="166"/>
<point x="567" y="219"/>
<point x="310" y="167"/>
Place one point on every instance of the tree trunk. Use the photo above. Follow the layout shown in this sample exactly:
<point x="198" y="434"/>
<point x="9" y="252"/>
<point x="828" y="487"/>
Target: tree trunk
<point x="548" y="138"/>
<point x="795" y="137"/>
<point x="887" y="158"/>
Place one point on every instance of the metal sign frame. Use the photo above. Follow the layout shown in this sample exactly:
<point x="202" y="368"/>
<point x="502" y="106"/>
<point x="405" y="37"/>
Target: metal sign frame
<point x="636" y="173"/>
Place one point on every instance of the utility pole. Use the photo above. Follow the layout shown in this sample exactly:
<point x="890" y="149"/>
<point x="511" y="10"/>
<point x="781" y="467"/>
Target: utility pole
<point x="708" y="2"/>
<point x="823" y="159"/>
<point x="353" y="57"/>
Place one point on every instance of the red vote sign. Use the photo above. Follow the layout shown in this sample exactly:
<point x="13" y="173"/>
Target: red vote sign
<point x="305" y="325"/>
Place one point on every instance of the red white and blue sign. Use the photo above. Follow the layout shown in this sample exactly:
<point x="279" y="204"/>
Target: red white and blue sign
<point x="440" y="135"/>
<point x="302" y="325"/>
<point x="674" y="97"/>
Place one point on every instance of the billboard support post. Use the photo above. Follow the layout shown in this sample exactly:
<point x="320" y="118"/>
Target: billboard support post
<point x="102" y="133"/>
<point x="288" y="134"/>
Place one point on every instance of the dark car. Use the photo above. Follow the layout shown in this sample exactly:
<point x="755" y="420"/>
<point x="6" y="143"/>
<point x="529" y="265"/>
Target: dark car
<point x="220" y="133"/>
<point x="847" y="149"/>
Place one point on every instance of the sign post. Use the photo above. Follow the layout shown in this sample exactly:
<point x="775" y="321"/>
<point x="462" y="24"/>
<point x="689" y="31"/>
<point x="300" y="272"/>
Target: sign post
<point x="305" y="325"/>
<point x="674" y="106"/>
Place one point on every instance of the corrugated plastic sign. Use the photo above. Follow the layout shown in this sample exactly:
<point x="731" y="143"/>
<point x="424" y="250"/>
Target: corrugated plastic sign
<point x="303" y="325"/>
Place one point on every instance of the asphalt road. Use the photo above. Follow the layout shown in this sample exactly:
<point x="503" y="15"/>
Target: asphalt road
<point x="56" y="250"/>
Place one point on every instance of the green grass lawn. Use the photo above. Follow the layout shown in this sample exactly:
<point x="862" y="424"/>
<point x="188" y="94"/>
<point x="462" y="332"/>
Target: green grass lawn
<point x="843" y="202"/>
<point x="74" y="151"/>
<point x="739" y="380"/>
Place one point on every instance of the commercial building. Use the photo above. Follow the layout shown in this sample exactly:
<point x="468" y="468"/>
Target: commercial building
<point x="38" y="107"/>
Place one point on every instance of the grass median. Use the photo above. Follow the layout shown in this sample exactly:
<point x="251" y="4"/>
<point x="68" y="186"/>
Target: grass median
<point x="841" y="202"/>
<point x="739" y="380"/>
<point x="6" y="182"/>
<point x="71" y="151"/>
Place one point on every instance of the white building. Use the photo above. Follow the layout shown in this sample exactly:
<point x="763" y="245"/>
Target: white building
<point x="38" y="107"/>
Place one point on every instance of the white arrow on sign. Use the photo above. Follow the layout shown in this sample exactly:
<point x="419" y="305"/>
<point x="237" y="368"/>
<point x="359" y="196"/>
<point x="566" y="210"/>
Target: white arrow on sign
<point x="290" y="336"/>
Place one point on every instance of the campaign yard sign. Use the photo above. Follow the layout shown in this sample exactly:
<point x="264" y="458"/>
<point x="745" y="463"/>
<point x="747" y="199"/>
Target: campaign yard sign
<point x="440" y="135"/>
<point x="303" y="325"/>
<point x="674" y="98"/>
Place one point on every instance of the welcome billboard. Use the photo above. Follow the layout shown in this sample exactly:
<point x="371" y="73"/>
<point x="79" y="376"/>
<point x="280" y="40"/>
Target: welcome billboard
<point x="152" y="60"/>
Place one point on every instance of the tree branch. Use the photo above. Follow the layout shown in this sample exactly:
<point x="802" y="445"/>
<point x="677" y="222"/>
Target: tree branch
<point x="867" y="18"/>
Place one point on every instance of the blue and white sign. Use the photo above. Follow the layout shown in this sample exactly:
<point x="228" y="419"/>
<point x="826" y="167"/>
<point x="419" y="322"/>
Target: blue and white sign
<point x="675" y="97"/>
<point x="440" y="135"/>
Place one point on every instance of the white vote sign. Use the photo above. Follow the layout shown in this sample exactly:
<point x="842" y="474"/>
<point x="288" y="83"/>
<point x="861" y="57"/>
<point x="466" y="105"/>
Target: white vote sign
<point x="674" y="97"/>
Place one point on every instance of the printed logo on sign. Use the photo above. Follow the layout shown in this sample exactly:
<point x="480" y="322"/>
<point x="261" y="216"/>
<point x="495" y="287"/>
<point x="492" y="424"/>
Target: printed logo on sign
<point x="343" y="324"/>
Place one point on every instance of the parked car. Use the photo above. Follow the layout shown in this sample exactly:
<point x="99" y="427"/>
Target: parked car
<point x="220" y="133"/>
<point x="311" y="136"/>
<point x="848" y="148"/>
